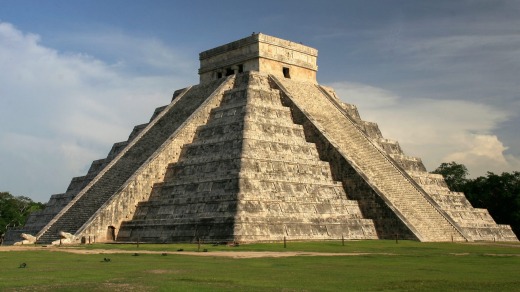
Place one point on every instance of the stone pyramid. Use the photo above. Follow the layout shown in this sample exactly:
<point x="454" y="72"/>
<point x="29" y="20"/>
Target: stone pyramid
<point x="259" y="151"/>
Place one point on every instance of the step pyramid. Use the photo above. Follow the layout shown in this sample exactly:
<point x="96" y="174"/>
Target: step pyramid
<point x="259" y="151"/>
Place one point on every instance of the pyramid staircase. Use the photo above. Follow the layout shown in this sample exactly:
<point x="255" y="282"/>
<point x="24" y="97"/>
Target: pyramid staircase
<point x="57" y="202"/>
<point x="476" y="223"/>
<point x="249" y="175"/>
<point x="410" y="203"/>
<point x="115" y="174"/>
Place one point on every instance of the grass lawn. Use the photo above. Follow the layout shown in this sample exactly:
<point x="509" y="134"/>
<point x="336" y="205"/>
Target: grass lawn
<point x="406" y="266"/>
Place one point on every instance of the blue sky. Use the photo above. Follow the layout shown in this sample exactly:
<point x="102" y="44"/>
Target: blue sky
<point x="441" y="77"/>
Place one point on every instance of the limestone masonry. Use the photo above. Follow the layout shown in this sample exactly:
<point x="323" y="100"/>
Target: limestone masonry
<point x="258" y="151"/>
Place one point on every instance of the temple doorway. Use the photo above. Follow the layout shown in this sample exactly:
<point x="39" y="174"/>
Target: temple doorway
<point x="111" y="233"/>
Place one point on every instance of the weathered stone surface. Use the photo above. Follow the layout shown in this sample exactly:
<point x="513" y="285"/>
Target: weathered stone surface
<point x="66" y="238"/>
<point x="137" y="188"/>
<point x="27" y="239"/>
<point x="249" y="175"/>
<point x="260" y="155"/>
<point x="477" y="224"/>
<point x="259" y="52"/>
<point x="124" y="166"/>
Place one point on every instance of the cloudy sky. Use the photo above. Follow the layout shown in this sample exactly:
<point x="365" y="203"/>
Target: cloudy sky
<point x="441" y="77"/>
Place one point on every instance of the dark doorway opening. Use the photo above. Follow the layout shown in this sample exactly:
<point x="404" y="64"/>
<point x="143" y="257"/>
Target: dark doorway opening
<point x="229" y="72"/>
<point x="286" y="73"/>
<point x="111" y="233"/>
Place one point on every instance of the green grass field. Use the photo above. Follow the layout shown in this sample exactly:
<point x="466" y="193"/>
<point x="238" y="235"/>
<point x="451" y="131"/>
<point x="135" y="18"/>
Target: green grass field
<point x="406" y="266"/>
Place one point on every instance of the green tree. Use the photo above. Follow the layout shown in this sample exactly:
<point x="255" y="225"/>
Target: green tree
<point x="499" y="194"/>
<point x="15" y="210"/>
<point x="454" y="174"/>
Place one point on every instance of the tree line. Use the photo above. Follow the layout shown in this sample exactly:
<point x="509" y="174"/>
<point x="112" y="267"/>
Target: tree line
<point x="499" y="194"/>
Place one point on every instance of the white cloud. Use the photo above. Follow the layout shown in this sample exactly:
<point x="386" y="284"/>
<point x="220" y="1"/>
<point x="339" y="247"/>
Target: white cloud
<point x="485" y="153"/>
<point x="435" y="130"/>
<point x="59" y="111"/>
<point x="133" y="54"/>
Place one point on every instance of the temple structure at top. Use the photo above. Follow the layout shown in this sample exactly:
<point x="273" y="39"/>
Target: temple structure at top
<point x="262" y="53"/>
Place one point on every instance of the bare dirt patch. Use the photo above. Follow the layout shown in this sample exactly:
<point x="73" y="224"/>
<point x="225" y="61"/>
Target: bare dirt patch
<point x="502" y="254"/>
<point x="460" y="254"/>
<point x="231" y="254"/>
<point x="505" y="244"/>
<point x="160" y="272"/>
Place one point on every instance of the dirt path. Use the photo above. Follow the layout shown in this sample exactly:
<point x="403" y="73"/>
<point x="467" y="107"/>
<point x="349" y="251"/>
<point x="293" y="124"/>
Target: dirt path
<point x="231" y="254"/>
